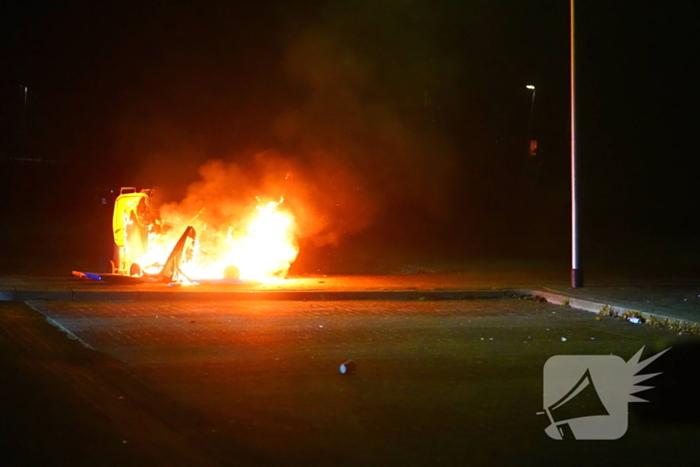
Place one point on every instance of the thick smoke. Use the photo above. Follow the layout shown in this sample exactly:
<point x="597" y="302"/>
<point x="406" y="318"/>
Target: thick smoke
<point x="348" y="131"/>
<point x="327" y="200"/>
<point x="368" y="74"/>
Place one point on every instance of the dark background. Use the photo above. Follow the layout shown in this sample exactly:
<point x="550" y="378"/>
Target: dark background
<point x="421" y="103"/>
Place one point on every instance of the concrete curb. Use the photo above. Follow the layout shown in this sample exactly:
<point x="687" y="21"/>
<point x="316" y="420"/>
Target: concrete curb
<point x="8" y="295"/>
<point x="23" y="295"/>
<point x="134" y="295"/>
<point x="595" y="306"/>
<point x="556" y="298"/>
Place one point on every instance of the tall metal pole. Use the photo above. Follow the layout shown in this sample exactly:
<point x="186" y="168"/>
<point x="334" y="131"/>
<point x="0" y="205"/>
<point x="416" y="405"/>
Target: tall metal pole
<point x="532" y="106"/>
<point x="24" y="107"/>
<point x="576" y="269"/>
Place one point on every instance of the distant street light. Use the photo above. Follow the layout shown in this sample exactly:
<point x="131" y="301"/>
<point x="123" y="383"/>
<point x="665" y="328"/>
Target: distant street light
<point x="23" y="124"/>
<point x="532" y="104"/>
<point x="533" y="142"/>
<point x="24" y="88"/>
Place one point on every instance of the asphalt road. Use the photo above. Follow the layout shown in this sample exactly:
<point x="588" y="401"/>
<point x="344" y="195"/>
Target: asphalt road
<point x="257" y="383"/>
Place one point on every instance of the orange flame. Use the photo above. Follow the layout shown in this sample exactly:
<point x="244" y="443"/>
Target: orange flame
<point x="261" y="248"/>
<point x="268" y="247"/>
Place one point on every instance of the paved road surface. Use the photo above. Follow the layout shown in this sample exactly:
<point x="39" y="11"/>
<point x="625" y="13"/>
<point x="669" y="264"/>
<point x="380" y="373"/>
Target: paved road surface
<point x="256" y="383"/>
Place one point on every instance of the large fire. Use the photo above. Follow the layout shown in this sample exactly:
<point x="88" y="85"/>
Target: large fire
<point x="260" y="247"/>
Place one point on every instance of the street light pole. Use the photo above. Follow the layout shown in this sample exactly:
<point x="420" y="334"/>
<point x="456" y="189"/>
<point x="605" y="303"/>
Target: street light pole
<point x="24" y="107"/>
<point x="532" y="152"/>
<point x="532" y="88"/>
<point x="576" y="270"/>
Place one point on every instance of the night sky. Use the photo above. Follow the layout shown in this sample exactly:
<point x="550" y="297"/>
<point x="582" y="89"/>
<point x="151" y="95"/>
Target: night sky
<point x="420" y="105"/>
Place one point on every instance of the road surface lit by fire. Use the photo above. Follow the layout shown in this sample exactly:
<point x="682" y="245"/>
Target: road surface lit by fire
<point x="447" y="382"/>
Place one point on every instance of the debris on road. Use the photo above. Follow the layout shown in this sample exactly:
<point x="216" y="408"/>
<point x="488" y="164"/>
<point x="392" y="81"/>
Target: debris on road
<point x="347" y="368"/>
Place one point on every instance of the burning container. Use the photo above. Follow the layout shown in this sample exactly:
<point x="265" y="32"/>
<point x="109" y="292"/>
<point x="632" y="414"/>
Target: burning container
<point x="130" y="224"/>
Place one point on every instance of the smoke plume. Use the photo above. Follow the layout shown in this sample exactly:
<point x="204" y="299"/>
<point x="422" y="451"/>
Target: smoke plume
<point x="344" y="123"/>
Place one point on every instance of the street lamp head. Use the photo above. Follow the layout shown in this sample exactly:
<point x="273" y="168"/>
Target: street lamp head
<point x="530" y="87"/>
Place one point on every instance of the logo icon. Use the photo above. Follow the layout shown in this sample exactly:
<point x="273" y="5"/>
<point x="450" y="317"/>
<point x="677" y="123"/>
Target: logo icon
<point x="586" y="396"/>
